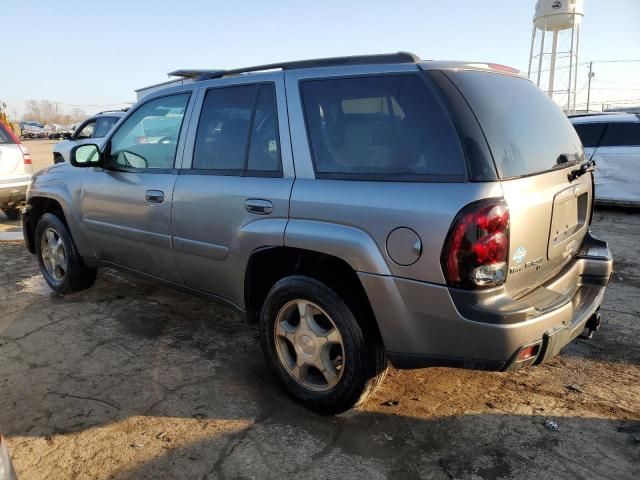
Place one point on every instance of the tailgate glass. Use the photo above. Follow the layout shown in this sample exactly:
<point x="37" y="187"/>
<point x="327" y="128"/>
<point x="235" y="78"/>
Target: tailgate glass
<point x="527" y="132"/>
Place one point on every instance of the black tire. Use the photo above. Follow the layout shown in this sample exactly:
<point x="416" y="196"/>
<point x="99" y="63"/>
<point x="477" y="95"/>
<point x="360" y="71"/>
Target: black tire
<point x="12" y="214"/>
<point x="366" y="364"/>
<point x="77" y="275"/>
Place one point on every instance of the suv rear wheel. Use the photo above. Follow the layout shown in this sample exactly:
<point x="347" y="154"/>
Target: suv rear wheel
<point x="317" y="348"/>
<point x="58" y="259"/>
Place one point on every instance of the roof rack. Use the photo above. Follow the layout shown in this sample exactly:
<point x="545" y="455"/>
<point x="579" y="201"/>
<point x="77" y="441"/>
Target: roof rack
<point x="113" y="111"/>
<point x="593" y="114"/>
<point x="399" y="57"/>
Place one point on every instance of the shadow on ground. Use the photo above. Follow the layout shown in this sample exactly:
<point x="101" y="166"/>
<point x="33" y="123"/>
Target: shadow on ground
<point x="129" y="380"/>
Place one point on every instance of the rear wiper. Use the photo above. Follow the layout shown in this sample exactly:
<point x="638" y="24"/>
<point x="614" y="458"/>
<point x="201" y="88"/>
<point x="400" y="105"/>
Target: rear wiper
<point x="584" y="168"/>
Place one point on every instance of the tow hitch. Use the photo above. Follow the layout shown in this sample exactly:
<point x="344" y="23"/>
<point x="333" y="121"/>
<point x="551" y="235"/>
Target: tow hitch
<point x="592" y="325"/>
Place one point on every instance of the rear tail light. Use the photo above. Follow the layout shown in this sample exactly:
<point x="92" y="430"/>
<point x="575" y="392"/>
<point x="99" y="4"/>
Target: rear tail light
<point x="26" y="156"/>
<point x="476" y="250"/>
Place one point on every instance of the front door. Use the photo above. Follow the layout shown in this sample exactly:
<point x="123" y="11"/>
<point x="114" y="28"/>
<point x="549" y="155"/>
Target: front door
<point x="126" y="206"/>
<point x="232" y="197"/>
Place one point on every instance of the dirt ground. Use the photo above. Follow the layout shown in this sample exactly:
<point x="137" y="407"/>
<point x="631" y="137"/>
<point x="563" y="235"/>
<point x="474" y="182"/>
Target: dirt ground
<point x="130" y="380"/>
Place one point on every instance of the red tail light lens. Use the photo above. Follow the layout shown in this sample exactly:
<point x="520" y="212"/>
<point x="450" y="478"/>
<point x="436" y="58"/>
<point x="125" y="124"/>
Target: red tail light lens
<point x="26" y="156"/>
<point x="476" y="250"/>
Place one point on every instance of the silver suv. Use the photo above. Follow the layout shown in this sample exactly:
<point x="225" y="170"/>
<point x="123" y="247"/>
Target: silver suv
<point x="361" y="209"/>
<point x="93" y="130"/>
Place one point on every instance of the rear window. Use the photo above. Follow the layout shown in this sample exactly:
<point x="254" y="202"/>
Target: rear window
<point x="590" y="133"/>
<point x="380" y="127"/>
<point x="622" y="134"/>
<point x="4" y="135"/>
<point x="527" y="132"/>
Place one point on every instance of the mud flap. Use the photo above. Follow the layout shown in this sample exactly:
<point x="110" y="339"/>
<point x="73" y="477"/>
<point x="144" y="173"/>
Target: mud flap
<point x="553" y="341"/>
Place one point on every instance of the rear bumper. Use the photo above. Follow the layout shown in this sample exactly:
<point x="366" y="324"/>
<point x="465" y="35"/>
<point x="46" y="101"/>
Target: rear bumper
<point x="13" y="191"/>
<point x="431" y="325"/>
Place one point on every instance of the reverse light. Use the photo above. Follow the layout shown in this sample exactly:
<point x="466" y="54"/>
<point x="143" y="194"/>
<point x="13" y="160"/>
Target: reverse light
<point x="476" y="249"/>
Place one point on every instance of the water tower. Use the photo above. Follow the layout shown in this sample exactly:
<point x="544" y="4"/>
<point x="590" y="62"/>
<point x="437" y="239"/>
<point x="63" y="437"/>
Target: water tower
<point x="553" y="61"/>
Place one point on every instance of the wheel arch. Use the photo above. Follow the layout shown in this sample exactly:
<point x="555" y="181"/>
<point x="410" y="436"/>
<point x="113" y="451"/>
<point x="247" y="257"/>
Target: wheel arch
<point x="268" y="265"/>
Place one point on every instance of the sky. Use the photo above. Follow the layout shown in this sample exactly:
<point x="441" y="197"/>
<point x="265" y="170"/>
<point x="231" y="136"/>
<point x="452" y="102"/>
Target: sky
<point x="94" y="54"/>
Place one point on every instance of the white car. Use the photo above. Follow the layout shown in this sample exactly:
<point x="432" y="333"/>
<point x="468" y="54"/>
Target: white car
<point x="612" y="141"/>
<point x="15" y="172"/>
<point x="7" y="471"/>
<point x="92" y="130"/>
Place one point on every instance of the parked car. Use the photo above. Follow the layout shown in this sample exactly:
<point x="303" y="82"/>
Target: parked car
<point x="612" y="141"/>
<point x="7" y="472"/>
<point x="56" y="131"/>
<point x="32" y="129"/>
<point x="15" y="172"/>
<point x="362" y="209"/>
<point x="92" y="130"/>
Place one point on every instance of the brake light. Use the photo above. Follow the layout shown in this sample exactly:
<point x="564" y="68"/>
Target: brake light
<point x="26" y="156"/>
<point x="502" y="68"/>
<point x="476" y="250"/>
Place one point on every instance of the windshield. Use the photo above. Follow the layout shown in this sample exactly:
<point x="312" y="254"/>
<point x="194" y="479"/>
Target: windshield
<point x="527" y="132"/>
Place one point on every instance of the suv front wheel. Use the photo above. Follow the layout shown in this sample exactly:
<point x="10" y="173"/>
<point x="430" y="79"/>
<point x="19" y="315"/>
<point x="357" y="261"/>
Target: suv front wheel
<point x="58" y="259"/>
<point x="317" y="348"/>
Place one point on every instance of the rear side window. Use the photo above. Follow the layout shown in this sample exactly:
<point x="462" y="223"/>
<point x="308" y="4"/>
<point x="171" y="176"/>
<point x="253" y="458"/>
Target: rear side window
<point x="590" y="133"/>
<point x="4" y="135"/>
<point x="622" y="134"/>
<point x="238" y="131"/>
<point x="380" y="127"/>
<point x="526" y="131"/>
<point x="103" y="125"/>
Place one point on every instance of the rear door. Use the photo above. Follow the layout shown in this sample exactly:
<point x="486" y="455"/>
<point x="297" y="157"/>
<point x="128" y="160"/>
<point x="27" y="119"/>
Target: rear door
<point x="232" y="194"/>
<point x="618" y="164"/>
<point x="534" y="148"/>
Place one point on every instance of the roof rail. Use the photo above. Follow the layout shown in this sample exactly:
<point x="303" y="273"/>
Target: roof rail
<point x="113" y="111"/>
<point x="399" y="57"/>
<point x="593" y="114"/>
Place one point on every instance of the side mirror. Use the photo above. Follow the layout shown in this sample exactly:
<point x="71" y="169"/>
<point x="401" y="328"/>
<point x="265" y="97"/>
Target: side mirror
<point x="87" y="155"/>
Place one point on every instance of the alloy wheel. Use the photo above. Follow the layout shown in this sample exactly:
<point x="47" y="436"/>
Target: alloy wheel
<point x="54" y="254"/>
<point x="309" y="345"/>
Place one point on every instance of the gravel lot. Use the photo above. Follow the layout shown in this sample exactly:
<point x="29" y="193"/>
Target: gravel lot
<point x="130" y="380"/>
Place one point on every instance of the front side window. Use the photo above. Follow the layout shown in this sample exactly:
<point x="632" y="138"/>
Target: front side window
<point x="149" y="137"/>
<point x="86" y="130"/>
<point x="237" y="132"/>
<point x="380" y="126"/>
<point x="622" y="135"/>
<point x="103" y="125"/>
<point x="590" y="133"/>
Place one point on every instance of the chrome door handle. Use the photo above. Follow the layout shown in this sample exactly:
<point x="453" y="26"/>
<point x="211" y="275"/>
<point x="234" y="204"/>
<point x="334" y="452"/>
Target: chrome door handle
<point x="154" y="196"/>
<point x="258" y="206"/>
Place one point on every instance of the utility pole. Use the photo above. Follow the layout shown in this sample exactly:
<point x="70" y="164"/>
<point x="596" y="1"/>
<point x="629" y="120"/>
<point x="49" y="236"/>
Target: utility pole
<point x="591" y="75"/>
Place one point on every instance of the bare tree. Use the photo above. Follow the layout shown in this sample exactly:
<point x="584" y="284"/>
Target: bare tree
<point x="43" y="111"/>
<point x="77" y="115"/>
